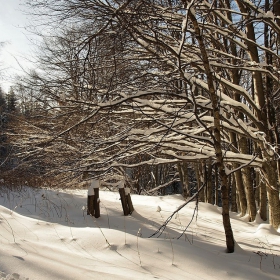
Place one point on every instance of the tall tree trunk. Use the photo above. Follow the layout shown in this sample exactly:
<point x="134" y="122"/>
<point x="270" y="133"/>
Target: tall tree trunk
<point x="208" y="177"/>
<point x="262" y="193"/>
<point x="198" y="180"/>
<point x="225" y="211"/>
<point x="183" y="173"/>
<point x="240" y="190"/>
<point x="269" y="167"/>
<point x="216" y="136"/>
<point x="273" y="194"/>
<point x="248" y="183"/>
<point x="262" y="197"/>
<point x="233" y="195"/>
<point x="274" y="207"/>
<point x="217" y="186"/>
<point x="241" y="201"/>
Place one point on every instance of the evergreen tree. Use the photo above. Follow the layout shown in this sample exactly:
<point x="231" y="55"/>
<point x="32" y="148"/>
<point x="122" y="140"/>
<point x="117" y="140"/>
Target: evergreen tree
<point x="2" y="101"/>
<point x="11" y="101"/>
<point x="3" y="121"/>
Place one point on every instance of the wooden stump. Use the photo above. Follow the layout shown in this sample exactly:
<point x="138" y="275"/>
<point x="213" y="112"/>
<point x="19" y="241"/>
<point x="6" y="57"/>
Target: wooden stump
<point x="93" y="202"/>
<point x="90" y="205"/>
<point x="124" y="201"/>
<point x="93" y="205"/>
<point x="128" y="200"/>
<point x="96" y="203"/>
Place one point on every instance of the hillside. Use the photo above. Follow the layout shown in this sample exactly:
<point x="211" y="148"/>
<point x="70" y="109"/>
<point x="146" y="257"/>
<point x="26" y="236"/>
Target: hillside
<point x="46" y="234"/>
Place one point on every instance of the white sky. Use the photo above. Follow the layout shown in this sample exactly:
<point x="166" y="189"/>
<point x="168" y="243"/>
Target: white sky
<point x="13" y="33"/>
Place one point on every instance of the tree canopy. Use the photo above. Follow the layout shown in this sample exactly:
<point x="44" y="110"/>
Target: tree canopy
<point x="124" y="84"/>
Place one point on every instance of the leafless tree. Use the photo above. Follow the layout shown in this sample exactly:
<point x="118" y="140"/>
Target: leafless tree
<point x="130" y="83"/>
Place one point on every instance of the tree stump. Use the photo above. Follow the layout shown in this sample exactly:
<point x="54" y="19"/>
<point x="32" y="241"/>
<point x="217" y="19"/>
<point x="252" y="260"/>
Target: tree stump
<point x="93" y="207"/>
<point x="96" y="203"/>
<point x="125" y="199"/>
<point x="90" y="202"/>
<point x="128" y="200"/>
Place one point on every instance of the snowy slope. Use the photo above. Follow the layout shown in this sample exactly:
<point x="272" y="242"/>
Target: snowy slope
<point x="46" y="234"/>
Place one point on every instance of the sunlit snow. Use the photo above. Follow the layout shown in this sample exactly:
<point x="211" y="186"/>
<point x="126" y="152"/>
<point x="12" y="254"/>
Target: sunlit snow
<point x="46" y="234"/>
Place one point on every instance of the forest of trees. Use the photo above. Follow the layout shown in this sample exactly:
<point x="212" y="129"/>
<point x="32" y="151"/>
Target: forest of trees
<point x="158" y="92"/>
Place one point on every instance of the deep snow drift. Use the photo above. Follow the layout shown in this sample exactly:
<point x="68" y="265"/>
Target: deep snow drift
<point x="46" y="234"/>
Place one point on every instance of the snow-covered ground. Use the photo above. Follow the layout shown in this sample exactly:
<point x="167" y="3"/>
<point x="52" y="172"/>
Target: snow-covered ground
<point x="46" y="234"/>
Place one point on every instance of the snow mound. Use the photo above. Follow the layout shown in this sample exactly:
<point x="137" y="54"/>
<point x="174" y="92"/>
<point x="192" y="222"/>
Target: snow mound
<point x="258" y="219"/>
<point x="265" y="229"/>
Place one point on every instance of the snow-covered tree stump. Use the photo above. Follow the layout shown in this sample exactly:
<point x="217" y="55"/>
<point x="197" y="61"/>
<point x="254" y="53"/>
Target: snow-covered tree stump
<point x="93" y="205"/>
<point x="90" y="199"/>
<point x="125" y="199"/>
<point x="96" y="203"/>
<point x="129" y="201"/>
